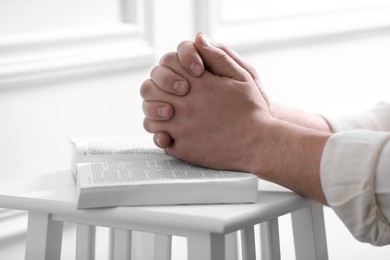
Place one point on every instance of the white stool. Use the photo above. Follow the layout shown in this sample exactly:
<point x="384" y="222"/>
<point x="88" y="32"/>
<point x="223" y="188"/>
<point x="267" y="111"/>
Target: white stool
<point x="210" y="229"/>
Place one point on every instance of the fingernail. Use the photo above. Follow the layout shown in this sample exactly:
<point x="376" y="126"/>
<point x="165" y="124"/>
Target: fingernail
<point x="158" y="141"/>
<point x="196" y="69"/>
<point x="204" y="40"/>
<point x="163" y="112"/>
<point x="180" y="86"/>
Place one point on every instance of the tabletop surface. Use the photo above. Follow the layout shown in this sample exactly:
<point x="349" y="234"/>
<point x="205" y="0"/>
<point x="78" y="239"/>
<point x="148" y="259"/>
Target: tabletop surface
<point x="55" y="193"/>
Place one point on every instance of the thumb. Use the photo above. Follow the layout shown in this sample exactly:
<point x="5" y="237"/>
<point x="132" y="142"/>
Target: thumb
<point x="217" y="60"/>
<point x="202" y="41"/>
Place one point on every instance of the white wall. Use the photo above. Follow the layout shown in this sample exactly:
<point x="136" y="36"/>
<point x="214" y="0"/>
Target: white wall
<point x="37" y="122"/>
<point x="332" y="77"/>
<point x="39" y="116"/>
<point x="326" y="75"/>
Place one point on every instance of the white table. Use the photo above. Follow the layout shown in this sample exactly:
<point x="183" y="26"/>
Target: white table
<point x="210" y="229"/>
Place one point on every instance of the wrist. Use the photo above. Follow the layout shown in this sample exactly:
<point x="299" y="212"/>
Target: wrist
<point x="264" y="144"/>
<point x="275" y="110"/>
<point x="298" y="117"/>
<point x="290" y="156"/>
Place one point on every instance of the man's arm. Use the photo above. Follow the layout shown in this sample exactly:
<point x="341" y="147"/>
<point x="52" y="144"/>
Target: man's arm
<point x="223" y="123"/>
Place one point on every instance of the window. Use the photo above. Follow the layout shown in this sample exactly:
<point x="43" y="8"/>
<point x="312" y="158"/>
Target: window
<point x="45" y="39"/>
<point x="270" y="23"/>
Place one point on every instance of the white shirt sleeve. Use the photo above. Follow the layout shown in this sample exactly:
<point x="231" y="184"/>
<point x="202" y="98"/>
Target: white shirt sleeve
<point x="375" y="119"/>
<point x="355" y="173"/>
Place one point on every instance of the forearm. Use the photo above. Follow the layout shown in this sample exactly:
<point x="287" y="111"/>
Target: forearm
<point x="293" y="158"/>
<point x="299" y="117"/>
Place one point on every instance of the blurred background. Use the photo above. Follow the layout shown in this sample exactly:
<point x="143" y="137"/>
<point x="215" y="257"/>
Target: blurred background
<point x="74" y="68"/>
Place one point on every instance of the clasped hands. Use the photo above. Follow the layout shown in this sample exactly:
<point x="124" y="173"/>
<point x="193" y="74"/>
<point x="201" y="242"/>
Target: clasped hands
<point x="205" y="104"/>
<point x="204" y="116"/>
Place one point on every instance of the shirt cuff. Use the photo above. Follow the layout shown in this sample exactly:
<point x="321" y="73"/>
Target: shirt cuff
<point x="382" y="182"/>
<point x="348" y="175"/>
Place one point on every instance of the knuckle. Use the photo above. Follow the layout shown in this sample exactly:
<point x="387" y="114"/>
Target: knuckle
<point x="145" y="89"/>
<point x="147" y="125"/>
<point x="221" y="56"/>
<point x="222" y="46"/>
<point x="182" y="44"/>
<point x="168" y="58"/>
<point x="154" y="71"/>
<point x="145" y="108"/>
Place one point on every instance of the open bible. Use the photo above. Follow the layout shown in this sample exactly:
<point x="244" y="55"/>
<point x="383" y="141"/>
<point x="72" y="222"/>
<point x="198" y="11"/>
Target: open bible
<point x="127" y="172"/>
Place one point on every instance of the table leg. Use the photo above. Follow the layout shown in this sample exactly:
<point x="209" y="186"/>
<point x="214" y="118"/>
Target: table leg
<point x="85" y="242"/>
<point x="206" y="246"/>
<point x="309" y="233"/>
<point x="162" y="247"/>
<point x="44" y="237"/>
<point x="248" y="246"/>
<point x="269" y="237"/>
<point x="121" y="244"/>
<point x="231" y="246"/>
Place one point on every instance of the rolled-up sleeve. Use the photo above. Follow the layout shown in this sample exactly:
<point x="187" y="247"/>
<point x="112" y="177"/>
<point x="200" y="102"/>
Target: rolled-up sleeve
<point x="349" y="177"/>
<point x="355" y="173"/>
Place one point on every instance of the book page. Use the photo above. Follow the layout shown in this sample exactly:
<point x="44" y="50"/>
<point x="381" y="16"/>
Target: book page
<point x="115" y="149"/>
<point x="157" y="171"/>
